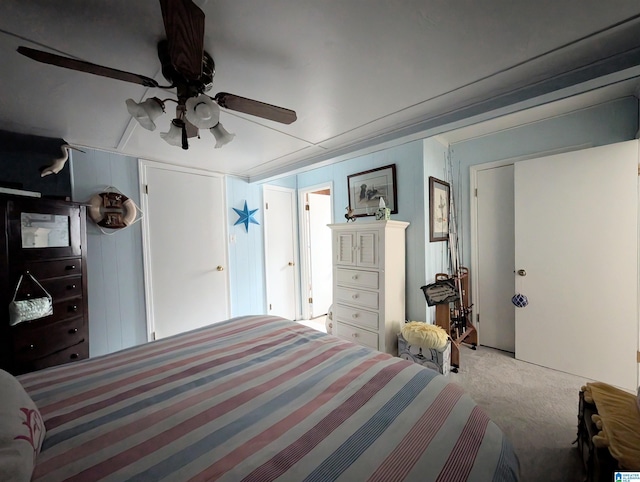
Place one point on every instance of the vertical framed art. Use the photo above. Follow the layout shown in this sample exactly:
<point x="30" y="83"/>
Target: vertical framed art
<point x="439" y="202"/>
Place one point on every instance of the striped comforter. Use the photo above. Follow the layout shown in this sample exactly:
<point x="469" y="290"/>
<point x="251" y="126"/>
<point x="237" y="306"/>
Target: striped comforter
<point x="260" y="398"/>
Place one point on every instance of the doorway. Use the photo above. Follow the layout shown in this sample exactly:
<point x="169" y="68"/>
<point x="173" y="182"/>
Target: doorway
<point x="495" y="245"/>
<point x="315" y="254"/>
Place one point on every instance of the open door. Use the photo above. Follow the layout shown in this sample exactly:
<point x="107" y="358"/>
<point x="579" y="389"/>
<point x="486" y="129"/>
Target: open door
<point x="320" y="252"/>
<point x="576" y="241"/>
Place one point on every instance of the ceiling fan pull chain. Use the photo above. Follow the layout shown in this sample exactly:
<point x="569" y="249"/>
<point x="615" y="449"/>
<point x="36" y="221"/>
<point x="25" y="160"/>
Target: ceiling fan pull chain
<point x="185" y="142"/>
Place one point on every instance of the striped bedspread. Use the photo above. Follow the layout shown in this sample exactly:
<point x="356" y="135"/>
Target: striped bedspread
<point x="260" y="398"/>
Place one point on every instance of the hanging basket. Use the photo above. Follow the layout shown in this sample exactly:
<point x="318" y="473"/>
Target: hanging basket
<point x="112" y="210"/>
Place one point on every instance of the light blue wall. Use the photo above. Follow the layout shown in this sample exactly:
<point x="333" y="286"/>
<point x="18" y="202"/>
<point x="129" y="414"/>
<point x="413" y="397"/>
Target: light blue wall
<point x="408" y="159"/>
<point x="607" y="123"/>
<point x="115" y="275"/>
<point x="436" y="254"/>
<point x="246" y="252"/>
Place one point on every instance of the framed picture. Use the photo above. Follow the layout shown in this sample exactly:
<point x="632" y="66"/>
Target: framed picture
<point x="439" y="192"/>
<point x="367" y="187"/>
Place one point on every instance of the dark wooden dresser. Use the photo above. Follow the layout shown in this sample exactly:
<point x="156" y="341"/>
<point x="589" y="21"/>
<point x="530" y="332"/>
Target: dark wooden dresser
<point x="46" y="238"/>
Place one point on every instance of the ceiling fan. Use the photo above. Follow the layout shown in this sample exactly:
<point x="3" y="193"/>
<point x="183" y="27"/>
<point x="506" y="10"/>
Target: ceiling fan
<point x="188" y="69"/>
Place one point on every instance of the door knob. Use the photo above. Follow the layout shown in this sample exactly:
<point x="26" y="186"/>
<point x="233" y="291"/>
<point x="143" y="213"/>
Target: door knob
<point x="522" y="272"/>
<point x="220" y="268"/>
<point x="291" y="263"/>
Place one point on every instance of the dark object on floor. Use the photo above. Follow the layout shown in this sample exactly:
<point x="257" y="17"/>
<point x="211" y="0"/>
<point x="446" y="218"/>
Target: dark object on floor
<point x="598" y="463"/>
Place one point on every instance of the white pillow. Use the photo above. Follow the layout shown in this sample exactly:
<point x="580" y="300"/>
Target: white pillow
<point x="21" y="431"/>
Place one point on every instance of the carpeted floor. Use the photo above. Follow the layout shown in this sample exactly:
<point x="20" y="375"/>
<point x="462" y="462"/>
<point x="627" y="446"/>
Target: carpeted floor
<point x="536" y="407"/>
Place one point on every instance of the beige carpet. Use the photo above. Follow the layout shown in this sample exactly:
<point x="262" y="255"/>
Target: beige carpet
<point x="536" y="407"/>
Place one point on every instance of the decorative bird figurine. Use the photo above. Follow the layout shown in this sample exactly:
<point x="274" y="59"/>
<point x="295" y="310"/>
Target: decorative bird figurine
<point x="350" y="216"/>
<point x="57" y="164"/>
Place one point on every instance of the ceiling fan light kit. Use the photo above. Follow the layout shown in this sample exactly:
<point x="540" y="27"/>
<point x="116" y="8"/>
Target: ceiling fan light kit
<point x="222" y="136"/>
<point x="146" y="112"/>
<point x="189" y="69"/>
<point x="202" y="111"/>
<point x="176" y="135"/>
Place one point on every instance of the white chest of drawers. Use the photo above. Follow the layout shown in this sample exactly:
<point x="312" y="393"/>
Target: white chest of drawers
<point x="369" y="282"/>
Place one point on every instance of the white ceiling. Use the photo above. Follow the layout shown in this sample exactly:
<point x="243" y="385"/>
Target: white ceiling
<point x="357" y="72"/>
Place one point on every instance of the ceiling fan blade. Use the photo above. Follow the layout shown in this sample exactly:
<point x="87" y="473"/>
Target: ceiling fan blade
<point x="253" y="107"/>
<point x="184" y="26"/>
<point x="88" y="67"/>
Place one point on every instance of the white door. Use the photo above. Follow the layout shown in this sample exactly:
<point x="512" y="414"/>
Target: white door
<point x="280" y="244"/>
<point x="320" y="253"/>
<point x="576" y="238"/>
<point x="495" y="240"/>
<point x="185" y="248"/>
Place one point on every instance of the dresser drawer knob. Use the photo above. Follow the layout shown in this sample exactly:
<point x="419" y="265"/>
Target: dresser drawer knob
<point x="71" y="287"/>
<point x="70" y="267"/>
<point x="354" y="335"/>
<point x="73" y="330"/>
<point x="355" y="276"/>
<point x="355" y="297"/>
<point x="73" y="308"/>
<point x="74" y="356"/>
<point x="355" y="315"/>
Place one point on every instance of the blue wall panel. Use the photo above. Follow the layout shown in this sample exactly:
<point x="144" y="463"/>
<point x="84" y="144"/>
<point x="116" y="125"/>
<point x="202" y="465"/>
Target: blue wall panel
<point x="436" y="254"/>
<point x="115" y="272"/>
<point x="246" y="249"/>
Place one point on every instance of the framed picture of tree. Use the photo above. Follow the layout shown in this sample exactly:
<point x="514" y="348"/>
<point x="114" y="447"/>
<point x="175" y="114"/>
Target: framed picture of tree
<point x="439" y="199"/>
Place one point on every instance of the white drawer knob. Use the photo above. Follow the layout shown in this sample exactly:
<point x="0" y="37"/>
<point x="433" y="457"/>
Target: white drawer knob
<point x="355" y="276"/>
<point x="355" y="335"/>
<point x="354" y="297"/>
<point x="355" y="315"/>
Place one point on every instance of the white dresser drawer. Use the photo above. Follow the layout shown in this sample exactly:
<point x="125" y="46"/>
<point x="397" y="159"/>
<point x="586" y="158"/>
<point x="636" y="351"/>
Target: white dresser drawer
<point x="367" y="299"/>
<point x="357" y="278"/>
<point x="357" y="335"/>
<point x="356" y="316"/>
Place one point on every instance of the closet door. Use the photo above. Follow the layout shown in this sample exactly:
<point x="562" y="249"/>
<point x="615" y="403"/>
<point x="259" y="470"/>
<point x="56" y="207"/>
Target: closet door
<point x="185" y="249"/>
<point x="576" y="240"/>
<point x="280" y="244"/>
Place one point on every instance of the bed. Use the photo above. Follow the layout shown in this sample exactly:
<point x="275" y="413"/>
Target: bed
<point x="260" y="398"/>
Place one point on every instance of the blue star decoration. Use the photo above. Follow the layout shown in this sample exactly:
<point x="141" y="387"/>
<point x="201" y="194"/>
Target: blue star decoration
<point x="246" y="216"/>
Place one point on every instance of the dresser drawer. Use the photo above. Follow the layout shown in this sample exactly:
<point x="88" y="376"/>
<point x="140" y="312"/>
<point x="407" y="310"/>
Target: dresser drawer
<point x="357" y="278"/>
<point x="357" y="335"/>
<point x="59" y="289"/>
<point x="67" y="355"/>
<point x="33" y="343"/>
<point x="368" y="299"/>
<point x="52" y="269"/>
<point x="62" y="310"/>
<point x="356" y="316"/>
